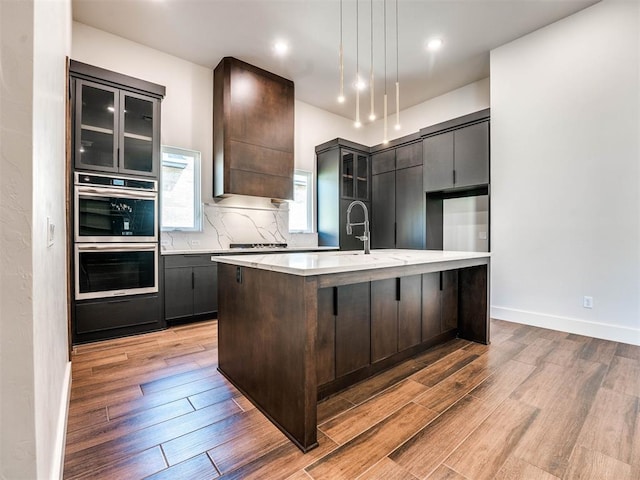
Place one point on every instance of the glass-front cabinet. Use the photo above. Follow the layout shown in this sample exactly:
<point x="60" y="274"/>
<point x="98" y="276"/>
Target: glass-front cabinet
<point x="355" y="175"/>
<point x="115" y="130"/>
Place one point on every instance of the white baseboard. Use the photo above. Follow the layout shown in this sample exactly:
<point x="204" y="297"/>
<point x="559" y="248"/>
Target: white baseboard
<point x="605" y="331"/>
<point x="57" y="466"/>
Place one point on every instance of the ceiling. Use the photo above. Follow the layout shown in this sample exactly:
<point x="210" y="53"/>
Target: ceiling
<point x="204" y="31"/>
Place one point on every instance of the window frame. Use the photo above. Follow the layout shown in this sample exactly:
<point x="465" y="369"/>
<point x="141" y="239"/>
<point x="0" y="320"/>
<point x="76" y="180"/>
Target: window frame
<point x="197" y="199"/>
<point x="309" y="175"/>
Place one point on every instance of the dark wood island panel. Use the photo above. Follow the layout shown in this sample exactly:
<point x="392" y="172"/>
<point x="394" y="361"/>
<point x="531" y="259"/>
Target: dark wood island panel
<point x="286" y="340"/>
<point x="267" y="345"/>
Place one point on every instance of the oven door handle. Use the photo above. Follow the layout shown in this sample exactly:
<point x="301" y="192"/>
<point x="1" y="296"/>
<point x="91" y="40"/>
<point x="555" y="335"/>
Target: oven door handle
<point x="116" y="247"/>
<point x="116" y="192"/>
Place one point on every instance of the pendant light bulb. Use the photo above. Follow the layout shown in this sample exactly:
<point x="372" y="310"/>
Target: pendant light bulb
<point x="372" y="115"/>
<point x="341" y="96"/>
<point x="385" y="136"/>
<point x="397" y="126"/>
<point x="357" y="123"/>
<point x="341" y="61"/>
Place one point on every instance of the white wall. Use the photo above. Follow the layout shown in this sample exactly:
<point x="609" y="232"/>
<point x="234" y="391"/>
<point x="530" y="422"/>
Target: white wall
<point x="52" y="45"/>
<point x="187" y="109"/>
<point x="462" y="101"/>
<point x="565" y="129"/>
<point x="34" y="367"/>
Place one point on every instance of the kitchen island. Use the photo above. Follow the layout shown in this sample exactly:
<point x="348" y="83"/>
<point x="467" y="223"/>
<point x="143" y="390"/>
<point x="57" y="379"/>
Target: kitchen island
<point x="295" y="328"/>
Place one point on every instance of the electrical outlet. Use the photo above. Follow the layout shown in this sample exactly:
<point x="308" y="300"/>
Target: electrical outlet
<point x="195" y="243"/>
<point x="587" y="302"/>
<point x="482" y="235"/>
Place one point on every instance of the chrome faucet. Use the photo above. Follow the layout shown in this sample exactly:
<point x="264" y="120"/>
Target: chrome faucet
<point x="366" y="236"/>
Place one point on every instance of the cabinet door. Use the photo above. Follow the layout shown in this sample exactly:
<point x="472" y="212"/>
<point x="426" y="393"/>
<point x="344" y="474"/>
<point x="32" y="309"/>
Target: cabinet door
<point x="438" y="162"/>
<point x="353" y="328"/>
<point x="384" y="162"/>
<point x="410" y="208"/>
<point x="205" y="289"/>
<point x="472" y="155"/>
<point x="383" y="206"/>
<point x="410" y="312"/>
<point x="139" y="121"/>
<point x="362" y="177"/>
<point x="96" y="125"/>
<point x="326" y="339"/>
<point x="431" y="309"/>
<point x="409" y="155"/>
<point x="178" y="292"/>
<point x="350" y="242"/>
<point x="449" y="300"/>
<point x="384" y="318"/>
<point x="348" y="166"/>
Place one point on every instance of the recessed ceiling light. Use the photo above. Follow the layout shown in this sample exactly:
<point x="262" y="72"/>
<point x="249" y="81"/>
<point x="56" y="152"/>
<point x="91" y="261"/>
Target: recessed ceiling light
<point x="280" y="48"/>
<point x="434" y="44"/>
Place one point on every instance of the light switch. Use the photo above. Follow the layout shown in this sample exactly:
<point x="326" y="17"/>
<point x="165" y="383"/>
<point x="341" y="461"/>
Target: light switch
<point x="51" y="229"/>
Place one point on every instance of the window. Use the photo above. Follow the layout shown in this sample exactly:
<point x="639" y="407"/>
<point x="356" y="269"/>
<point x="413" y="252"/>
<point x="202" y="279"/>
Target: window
<point x="180" y="194"/>
<point x="300" y="208"/>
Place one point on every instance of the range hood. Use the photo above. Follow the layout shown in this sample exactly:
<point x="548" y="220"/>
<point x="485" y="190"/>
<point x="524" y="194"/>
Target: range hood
<point x="253" y="125"/>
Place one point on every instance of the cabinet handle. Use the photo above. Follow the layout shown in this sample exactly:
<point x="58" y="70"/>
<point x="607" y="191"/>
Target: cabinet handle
<point x="335" y="301"/>
<point x="454" y="177"/>
<point x="398" y="289"/>
<point x="193" y="280"/>
<point x="440" y="281"/>
<point x="395" y="233"/>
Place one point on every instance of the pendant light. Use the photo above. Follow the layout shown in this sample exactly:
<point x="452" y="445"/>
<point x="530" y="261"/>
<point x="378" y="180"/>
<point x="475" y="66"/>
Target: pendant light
<point x="385" y="139"/>
<point x="397" y="126"/>
<point x="357" y="123"/>
<point x="341" y="56"/>
<point x="372" y="115"/>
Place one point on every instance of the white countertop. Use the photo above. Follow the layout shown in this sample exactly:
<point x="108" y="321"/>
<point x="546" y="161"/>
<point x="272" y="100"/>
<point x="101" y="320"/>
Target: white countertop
<point x="231" y="251"/>
<point x="319" y="263"/>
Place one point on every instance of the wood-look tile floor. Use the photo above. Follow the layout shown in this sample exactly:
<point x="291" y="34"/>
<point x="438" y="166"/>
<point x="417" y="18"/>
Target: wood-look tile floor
<point x="535" y="404"/>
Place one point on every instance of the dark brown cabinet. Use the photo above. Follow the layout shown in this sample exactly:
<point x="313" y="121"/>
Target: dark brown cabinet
<point x="395" y="315"/>
<point x="114" y="129"/>
<point x="457" y="159"/>
<point x="384" y="318"/>
<point x="398" y="201"/>
<point x="353" y="328"/>
<point x="253" y="131"/>
<point x="363" y="327"/>
<point x="410" y="208"/>
<point x="344" y="331"/>
<point x="343" y="175"/>
<point x="439" y="303"/>
<point x="410" y="312"/>
<point x="383" y="205"/>
<point x="190" y="287"/>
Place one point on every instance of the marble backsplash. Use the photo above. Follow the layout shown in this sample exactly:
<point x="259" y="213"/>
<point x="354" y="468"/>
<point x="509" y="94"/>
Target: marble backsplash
<point x="238" y="220"/>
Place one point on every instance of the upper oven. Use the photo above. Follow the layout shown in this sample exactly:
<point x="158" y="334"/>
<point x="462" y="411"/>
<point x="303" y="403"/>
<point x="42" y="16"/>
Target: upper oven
<point x="115" y="209"/>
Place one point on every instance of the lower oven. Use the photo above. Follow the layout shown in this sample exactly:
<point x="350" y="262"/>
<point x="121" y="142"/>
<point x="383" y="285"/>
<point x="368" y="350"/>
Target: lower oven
<point x="115" y="269"/>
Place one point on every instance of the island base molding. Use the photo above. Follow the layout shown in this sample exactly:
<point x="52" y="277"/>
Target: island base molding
<point x="287" y="340"/>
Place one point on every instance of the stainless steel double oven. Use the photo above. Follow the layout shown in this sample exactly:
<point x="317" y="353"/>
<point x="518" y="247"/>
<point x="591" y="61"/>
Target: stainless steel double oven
<point x="116" y="236"/>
